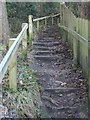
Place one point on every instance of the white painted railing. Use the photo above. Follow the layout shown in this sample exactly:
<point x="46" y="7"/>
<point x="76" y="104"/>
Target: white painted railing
<point x="10" y="55"/>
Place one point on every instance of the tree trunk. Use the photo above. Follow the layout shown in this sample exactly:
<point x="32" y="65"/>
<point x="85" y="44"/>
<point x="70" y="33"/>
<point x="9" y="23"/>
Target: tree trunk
<point x="4" y="27"/>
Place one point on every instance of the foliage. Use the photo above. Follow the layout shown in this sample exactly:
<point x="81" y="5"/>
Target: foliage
<point x="80" y="9"/>
<point x="50" y="8"/>
<point x="21" y="10"/>
<point x="74" y="7"/>
<point x="18" y="13"/>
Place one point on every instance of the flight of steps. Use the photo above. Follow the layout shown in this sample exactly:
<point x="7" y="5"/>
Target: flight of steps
<point x="59" y="93"/>
<point x="42" y="50"/>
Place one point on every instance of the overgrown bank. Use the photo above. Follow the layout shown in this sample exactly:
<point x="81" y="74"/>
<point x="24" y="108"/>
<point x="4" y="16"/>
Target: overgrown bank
<point x="25" y="102"/>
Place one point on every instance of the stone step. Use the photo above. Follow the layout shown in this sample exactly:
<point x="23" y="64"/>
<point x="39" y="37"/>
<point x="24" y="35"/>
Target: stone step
<point x="47" y="40"/>
<point x="64" y="108"/>
<point x="65" y="112"/>
<point x="62" y="89"/>
<point x="48" y="52"/>
<point x="46" y="58"/>
<point x="40" y="48"/>
<point x="49" y="44"/>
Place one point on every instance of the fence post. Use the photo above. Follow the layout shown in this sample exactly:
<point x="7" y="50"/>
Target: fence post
<point x="13" y="69"/>
<point x="24" y="44"/>
<point x="30" y="30"/>
<point x="58" y="21"/>
<point x="45" y="22"/>
<point x="52" y="20"/>
<point x="38" y="25"/>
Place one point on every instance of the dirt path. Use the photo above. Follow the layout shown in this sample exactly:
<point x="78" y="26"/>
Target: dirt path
<point x="64" y="88"/>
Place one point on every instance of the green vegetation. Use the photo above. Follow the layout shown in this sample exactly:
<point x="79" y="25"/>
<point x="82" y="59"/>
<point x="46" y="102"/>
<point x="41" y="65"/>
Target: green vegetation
<point x="27" y="89"/>
<point x="18" y="13"/>
<point x="26" y="100"/>
<point x="80" y="9"/>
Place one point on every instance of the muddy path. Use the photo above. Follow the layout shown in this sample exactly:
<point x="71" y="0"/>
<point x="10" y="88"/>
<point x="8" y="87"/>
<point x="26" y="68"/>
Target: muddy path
<point x="64" y="89"/>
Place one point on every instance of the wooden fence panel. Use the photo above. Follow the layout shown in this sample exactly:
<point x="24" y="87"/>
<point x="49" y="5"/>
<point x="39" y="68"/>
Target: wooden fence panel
<point x="81" y="52"/>
<point x="82" y="29"/>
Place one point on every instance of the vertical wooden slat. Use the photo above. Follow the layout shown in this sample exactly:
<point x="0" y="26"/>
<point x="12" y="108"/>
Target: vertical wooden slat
<point x="13" y="69"/>
<point x="52" y="20"/>
<point x="75" y="48"/>
<point x="75" y="51"/>
<point x="58" y="20"/>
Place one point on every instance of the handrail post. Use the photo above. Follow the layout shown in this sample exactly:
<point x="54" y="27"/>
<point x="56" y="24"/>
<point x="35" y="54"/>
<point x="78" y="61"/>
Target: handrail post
<point x="38" y="25"/>
<point x="24" y="44"/>
<point x="52" y="20"/>
<point x="45" y="22"/>
<point x="58" y="19"/>
<point x="30" y="30"/>
<point x="13" y="69"/>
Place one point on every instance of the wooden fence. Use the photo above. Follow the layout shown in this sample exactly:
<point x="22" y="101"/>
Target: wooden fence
<point x="77" y="32"/>
<point x="9" y="62"/>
